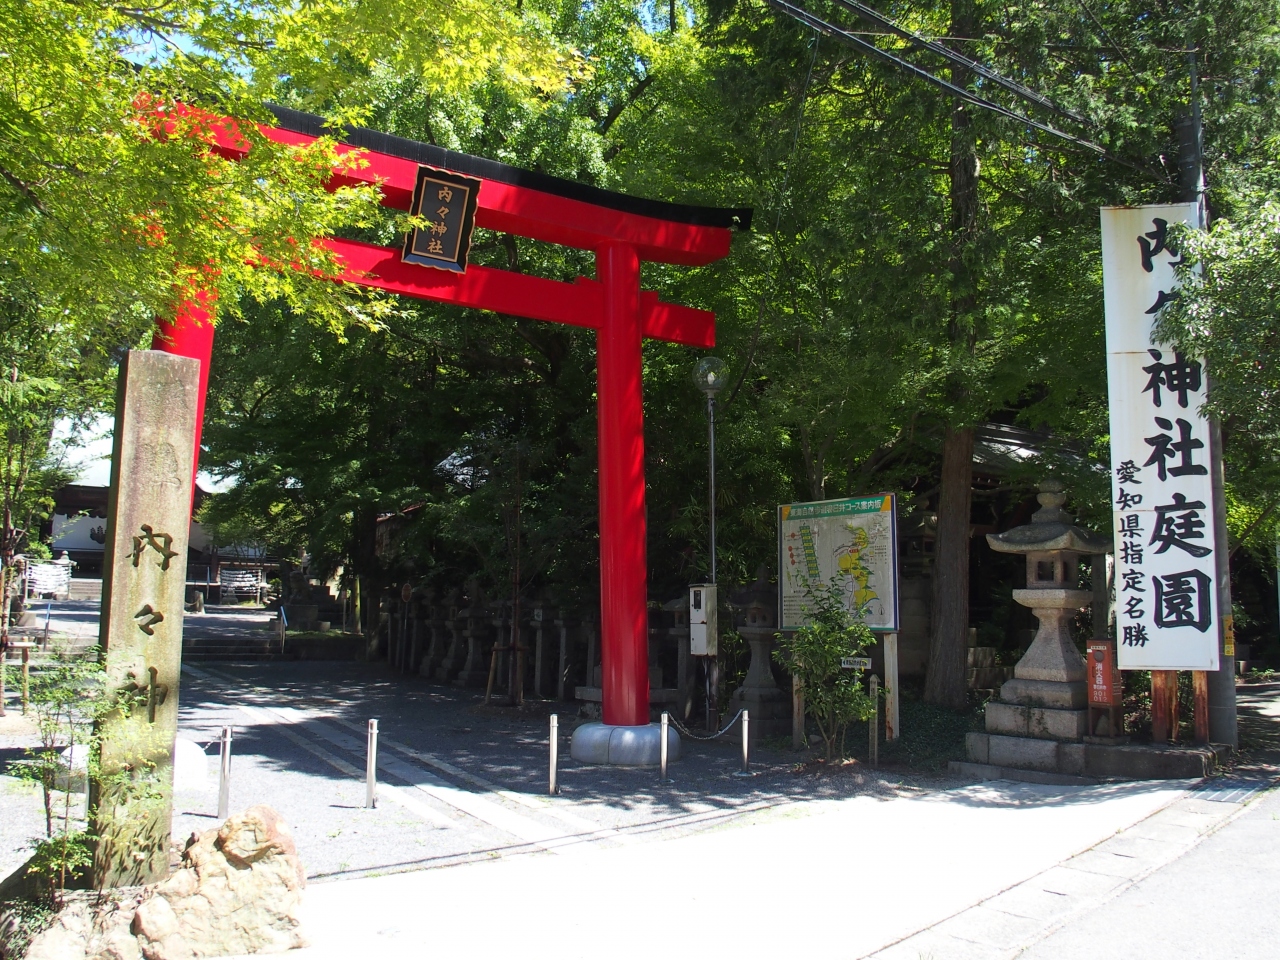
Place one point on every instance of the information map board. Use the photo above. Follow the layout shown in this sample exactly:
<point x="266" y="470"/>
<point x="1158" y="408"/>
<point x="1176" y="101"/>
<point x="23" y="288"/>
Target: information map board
<point x="854" y="541"/>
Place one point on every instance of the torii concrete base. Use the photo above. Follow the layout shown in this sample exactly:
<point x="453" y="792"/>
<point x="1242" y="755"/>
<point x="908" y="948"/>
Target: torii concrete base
<point x="623" y="746"/>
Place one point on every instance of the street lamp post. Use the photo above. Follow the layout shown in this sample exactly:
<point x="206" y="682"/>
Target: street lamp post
<point x="709" y="378"/>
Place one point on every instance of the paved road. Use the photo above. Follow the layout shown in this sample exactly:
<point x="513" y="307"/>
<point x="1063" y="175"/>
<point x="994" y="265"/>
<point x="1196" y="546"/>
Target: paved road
<point x="77" y="620"/>
<point x="459" y="781"/>
<point x="934" y="869"/>
<point x="868" y="863"/>
<point x="1198" y="879"/>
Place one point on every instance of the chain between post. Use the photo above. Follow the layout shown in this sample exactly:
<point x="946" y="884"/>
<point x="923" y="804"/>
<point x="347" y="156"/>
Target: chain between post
<point x="693" y="736"/>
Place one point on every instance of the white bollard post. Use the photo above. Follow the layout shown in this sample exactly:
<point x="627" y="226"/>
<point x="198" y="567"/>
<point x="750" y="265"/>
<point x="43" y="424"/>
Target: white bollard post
<point x="371" y="768"/>
<point x="224" y="774"/>
<point x="662" y="749"/>
<point x="746" y="747"/>
<point x="554" y="786"/>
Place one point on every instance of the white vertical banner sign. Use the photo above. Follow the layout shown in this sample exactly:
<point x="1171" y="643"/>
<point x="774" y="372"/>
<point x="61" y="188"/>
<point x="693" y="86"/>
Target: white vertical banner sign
<point x="1161" y="487"/>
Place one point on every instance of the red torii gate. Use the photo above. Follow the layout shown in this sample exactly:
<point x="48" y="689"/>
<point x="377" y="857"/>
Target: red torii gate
<point x="622" y="231"/>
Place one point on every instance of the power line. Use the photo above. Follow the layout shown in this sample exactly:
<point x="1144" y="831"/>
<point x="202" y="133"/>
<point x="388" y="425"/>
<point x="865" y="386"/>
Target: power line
<point x="952" y="56"/>
<point x="808" y="19"/>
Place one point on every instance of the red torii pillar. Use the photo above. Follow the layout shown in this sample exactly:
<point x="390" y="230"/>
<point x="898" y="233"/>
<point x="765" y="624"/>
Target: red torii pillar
<point x="543" y="208"/>
<point x="189" y="333"/>
<point x="624" y="593"/>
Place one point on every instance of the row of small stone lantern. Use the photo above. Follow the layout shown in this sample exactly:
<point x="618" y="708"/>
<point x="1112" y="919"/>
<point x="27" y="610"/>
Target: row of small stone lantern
<point x="450" y="640"/>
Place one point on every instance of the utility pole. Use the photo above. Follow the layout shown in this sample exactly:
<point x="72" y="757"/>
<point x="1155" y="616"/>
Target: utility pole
<point x="1222" y="682"/>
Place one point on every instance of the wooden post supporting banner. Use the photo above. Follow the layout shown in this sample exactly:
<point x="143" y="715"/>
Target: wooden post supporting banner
<point x="1159" y="707"/>
<point x="144" y="580"/>
<point x="1200" y="684"/>
<point x="1164" y="705"/>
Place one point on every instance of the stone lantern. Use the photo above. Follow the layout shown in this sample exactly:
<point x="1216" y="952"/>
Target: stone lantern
<point x="768" y="706"/>
<point x="1045" y="703"/>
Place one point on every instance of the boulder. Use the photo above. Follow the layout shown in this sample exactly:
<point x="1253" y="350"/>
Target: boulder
<point x="89" y="927"/>
<point x="237" y="891"/>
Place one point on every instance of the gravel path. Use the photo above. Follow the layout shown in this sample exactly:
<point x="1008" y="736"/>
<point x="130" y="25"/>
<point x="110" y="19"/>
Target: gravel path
<point x="459" y="781"/>
<point x="466" y="781"/>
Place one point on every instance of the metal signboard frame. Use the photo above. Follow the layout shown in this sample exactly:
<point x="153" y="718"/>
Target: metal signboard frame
<point x="857" y="537"/>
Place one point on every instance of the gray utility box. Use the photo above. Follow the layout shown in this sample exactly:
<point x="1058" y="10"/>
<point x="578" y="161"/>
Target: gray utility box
<point x="703" y="628"/>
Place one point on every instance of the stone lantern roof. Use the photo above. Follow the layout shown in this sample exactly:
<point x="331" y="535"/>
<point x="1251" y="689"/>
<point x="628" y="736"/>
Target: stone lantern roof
<point x="1051" y="528"/>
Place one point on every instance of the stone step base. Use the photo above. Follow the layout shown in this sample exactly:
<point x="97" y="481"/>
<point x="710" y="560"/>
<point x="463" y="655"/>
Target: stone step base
<point x="1045" y="723"/>
<point x="1094" y="760"/>
<point x="986" y="771"/>
<point x="84" y="589"/>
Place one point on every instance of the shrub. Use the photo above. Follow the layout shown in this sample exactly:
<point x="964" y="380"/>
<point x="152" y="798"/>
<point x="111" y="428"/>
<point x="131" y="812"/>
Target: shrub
<point x="833" y="696"/>
<point x="67" y="695"/>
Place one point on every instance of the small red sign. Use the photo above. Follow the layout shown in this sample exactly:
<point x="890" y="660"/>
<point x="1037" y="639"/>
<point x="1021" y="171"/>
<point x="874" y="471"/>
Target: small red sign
<point x="1104" y="675"/>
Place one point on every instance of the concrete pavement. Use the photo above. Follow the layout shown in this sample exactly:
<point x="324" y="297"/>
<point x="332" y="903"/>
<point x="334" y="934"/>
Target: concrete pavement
<point x="1070" y="910"/>
<point x="1218" y="901"/>
<point x="865" y="863"/>
<point x="840" y="878"/>
<point x="77" y="621"/>
<point x="952" y="871"/>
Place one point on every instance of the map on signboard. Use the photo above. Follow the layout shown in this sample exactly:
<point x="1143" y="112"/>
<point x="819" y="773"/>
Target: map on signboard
<point x="852" y="542"/>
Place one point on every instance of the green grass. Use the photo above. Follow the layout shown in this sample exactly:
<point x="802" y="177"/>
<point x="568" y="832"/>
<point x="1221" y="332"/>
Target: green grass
<point x="931" y="735"/>
<point x="20" y="921"/>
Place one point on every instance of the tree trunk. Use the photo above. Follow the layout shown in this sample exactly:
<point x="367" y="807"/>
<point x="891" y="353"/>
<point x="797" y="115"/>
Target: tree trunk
<point x="815" y="463"/>
<point x="945" y="681"/>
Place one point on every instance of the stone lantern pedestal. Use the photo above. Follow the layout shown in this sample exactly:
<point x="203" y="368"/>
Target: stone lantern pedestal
<point x="768" y="706"/>
<point x="1037" y="730"/>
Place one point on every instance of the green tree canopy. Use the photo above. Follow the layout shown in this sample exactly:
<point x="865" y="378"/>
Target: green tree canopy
<point x="112" y="204"/>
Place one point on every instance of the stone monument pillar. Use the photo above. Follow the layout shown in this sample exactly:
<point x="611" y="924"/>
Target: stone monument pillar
<point x="144" y="578"/>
